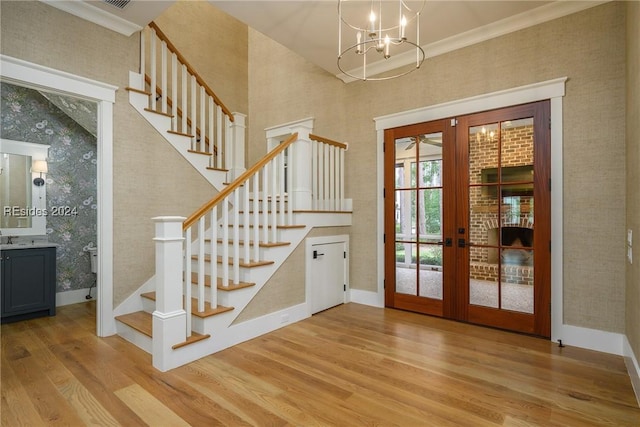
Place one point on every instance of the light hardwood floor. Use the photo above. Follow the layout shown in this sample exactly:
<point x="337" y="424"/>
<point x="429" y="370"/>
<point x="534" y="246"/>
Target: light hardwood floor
<point x="348" y="366"/>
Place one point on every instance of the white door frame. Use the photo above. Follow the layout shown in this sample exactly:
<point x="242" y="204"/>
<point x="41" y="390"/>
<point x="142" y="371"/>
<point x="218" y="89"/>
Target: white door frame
<point x="35" y="76"/>
<point x="308" y="249"/>
<point x="553" y="90"/>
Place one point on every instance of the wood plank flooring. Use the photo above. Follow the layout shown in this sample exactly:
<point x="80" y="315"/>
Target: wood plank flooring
<point x="349" y="366"/>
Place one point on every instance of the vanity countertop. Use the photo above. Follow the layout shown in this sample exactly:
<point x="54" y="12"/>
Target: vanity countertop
<point x="34" y="245"/>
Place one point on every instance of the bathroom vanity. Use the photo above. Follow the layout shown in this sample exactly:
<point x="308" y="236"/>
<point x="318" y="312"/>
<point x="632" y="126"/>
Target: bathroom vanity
<point x="28" y="281"/>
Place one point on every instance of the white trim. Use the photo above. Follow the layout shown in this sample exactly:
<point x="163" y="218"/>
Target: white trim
<point x="373" y="299"/>
<point x="324" y="240"/>
<point x="592" y="339"/>
<point x="98" y="16"/>
<point x="499" y="28"/>
<point x="72" y="297"/>
<point x="550" y="89"/>
<point x="633" y="368"/>
<point x="37" y="76"/>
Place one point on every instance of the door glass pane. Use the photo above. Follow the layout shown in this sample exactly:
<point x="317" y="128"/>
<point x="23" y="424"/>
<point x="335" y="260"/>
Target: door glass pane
<point x="430" y="218"/>
<point x="406" y="272"/>
<point x="403" y="215"/>
<point x="517" y="280"/>
<point x="516" y="137"/>
<point x="483" y="216"/>
<point x="430" y="284"/>
<point x="483" y="279"/>
<point x="483" y="154"/>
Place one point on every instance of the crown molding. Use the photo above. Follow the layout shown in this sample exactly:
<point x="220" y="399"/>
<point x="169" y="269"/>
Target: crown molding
<point x="98" y="16"/>
<point x="533" y="17"/>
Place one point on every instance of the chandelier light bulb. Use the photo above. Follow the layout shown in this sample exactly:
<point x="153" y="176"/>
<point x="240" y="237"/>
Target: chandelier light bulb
<point x="403" y="25"/>
<point x="387" y="42"/>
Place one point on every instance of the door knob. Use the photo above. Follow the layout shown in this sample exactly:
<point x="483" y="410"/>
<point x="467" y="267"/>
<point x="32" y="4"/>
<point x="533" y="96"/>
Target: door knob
<point x="461" y="243"/>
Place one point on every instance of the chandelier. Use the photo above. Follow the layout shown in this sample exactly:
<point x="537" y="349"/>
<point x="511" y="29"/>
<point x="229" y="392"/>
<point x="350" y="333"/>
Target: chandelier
<point x="377" y="32"/>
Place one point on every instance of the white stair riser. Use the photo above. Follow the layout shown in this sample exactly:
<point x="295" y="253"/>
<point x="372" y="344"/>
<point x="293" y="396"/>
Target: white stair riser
<point x="135" y="337"/>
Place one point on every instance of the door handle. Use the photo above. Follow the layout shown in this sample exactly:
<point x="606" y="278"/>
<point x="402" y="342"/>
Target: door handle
<point x="448" y="242"/>
<point x="461" y="243"/>
<point x="316" y="254"/>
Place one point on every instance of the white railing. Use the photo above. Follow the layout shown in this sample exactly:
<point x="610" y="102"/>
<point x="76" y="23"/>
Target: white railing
<point x="194" y="108"/>
<point x="230" y="229"/>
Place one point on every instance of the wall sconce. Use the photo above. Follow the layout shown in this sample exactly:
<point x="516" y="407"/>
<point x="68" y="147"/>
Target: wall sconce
<point x="39" y="166"/>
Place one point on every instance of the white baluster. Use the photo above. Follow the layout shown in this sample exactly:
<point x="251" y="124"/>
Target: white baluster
<point x="187" y="279"/>
<point x="325" y="196"/>
<point x="290" y="201"/>
<point x="153" y="65"/>
<point x="203" y="122"/>
<point x="256" y="217"/>
<point x="225" y="241"/>
<point x="341" y="206"/>
<point x="163" y="75"/>
<point x="332" y="177"/>
<point x="219" y="163"/>
<point x="213" y="265"/>
<point x="281" y="178"/>
<point x="246" y="221"/>
<point x="174" y="92"/>
<point x="212" y="149"/>
<point x="236" y="237"/>
<point x="201" y="253"/>
<point x="321" y="160"/>
<point x="192" y="113"/>
<point x="274" y="199"/>
<point x="143" y="58"/>
<point x="229" y="161"/>
<point x="314" y="175"/>
<point x="265" y="203"/>
<point x="183" y="95"/>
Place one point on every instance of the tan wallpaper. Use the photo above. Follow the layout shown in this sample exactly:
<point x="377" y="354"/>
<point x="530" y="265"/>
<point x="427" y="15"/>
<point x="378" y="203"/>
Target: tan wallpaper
<point x="633" y="173"/>
<point x="208" y="38"/>
<point x="591" y="53"/>
<point x="149" y="176"/>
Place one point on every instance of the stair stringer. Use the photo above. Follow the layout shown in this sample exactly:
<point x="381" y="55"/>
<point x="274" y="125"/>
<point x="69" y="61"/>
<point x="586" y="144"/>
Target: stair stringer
<point x="181" y="143"/>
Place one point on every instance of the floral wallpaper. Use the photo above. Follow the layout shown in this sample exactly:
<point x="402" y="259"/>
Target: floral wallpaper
<point x="71" y="182"/>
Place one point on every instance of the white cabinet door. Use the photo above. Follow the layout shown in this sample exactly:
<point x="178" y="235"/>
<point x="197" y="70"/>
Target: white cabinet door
<point x="328" y="269"/>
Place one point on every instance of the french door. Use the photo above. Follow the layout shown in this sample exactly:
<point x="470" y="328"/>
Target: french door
<point x="467" y="218"/>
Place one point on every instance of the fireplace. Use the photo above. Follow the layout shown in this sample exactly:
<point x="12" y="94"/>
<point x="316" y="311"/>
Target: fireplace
<point x="511" y="236"/>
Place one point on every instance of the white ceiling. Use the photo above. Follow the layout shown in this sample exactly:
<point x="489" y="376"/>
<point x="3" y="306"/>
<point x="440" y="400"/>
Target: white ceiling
<point x="310" y="27"/>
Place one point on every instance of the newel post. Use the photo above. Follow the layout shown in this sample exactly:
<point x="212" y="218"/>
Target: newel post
<point x="169" y="317"/>
<point x="300" y="160"/>
<point x="235" y="152"/>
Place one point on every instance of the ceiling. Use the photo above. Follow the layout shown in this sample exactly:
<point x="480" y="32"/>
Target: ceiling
<point x="310" y="28"/>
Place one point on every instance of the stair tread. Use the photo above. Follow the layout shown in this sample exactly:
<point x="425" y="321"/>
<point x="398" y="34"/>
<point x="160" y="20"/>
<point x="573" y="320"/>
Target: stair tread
<point x="283" y="227"/>
<point x="174" y="132"/>
<point x="208" y="309"/>
<point x="249" y="264"/>
<point x="195" y="337"/>
<point x="217" y="169"/>
<point x="141" y="321"/>
<point x="159" y="112"/>
<point x="204" y="153"/>
<point x="252" y="243"/>
<point x="133" y="89"/>
<point x="230" y="286"/>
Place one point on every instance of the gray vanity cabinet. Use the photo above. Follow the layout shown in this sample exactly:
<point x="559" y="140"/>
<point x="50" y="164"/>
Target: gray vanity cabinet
<point x="28" y="283"/>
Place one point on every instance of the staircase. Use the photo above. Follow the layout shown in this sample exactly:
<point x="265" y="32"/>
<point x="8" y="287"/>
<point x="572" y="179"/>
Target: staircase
<point x="209" y="266"/>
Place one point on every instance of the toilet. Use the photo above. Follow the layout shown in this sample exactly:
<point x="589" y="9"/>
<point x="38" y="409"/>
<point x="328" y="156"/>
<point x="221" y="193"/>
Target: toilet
<point x="93" y="254"/>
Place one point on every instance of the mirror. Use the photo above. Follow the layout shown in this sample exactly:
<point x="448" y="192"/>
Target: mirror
<point x="23" y="203"/>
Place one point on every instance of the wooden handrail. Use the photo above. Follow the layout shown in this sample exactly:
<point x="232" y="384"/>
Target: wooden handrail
<point x="190" y="69"/>
<point x="238" y="182"/>
<point x="327" y="141"/>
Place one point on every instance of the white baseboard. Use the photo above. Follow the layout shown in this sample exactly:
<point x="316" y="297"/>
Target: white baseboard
<point x="74" y="297"/>
<point x="633" y="368"/>
<point x="591" y="339"/>
<point x="366" y="298"/>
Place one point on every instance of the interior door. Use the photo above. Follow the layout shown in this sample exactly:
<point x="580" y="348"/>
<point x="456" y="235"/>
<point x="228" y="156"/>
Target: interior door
<point x="503" y="215"/>
<point x="419" y="217"/>
<point x="467" y="218"/>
